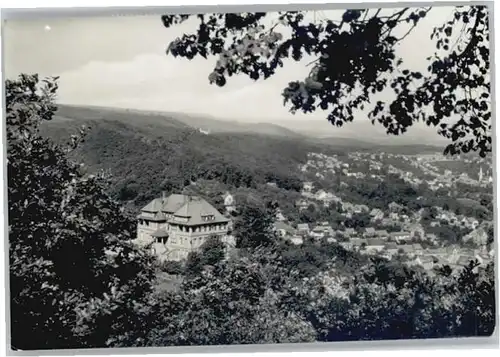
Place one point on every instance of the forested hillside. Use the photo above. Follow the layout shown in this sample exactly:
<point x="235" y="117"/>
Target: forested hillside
<point x="150" y="154"/>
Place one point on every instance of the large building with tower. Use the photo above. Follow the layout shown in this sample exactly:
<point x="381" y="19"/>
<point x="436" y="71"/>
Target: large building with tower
<point x="173" y="226"/>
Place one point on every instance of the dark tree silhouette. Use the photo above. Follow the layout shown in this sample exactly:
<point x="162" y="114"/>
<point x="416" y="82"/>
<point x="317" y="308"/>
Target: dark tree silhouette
<point x="75" y="281"/>
<point x="452" y="95"/>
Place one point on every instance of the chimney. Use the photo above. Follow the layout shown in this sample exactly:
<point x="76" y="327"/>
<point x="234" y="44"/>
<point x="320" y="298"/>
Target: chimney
<point x="164" y="194"/>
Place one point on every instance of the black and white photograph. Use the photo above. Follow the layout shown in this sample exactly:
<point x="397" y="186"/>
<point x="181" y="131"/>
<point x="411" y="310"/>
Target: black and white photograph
<point x="249" y="178"/>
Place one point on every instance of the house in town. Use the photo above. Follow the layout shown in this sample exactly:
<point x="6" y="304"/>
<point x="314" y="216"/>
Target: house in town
<point x="369" y="232"/>
<point x="296" y="240"/>
<point x="325" y="228"/>
<point x="406" y="249"/>
<point x="375" y="245"/>
<point x="482" y="258"/>
<point x="361" y="209"/>
<point x="376" y="214"/>
<point x="390" y="249"/>
<point x="400" y="236"/>
<point x="347" y="245"/>
<point x="307" y="186"/>
<point x="173" y="226"/>
<point x="350" y="232"/>
<point x="279" y="215"/>
<point x="464" y="260"/>
<point x="426" y="262"/>
<point x="417" y="232"/>
<point x="317" y="232"/>
<point x="301" y="204"/>
<point x="479" y="237"/>
<point x="283" y="229"/>
<point x="417" y="248"/>
<point x="229" y="203"/>
<point x="358" y="243"/>
<point x="303" y="229"/>
<point x="431" y="237"/>
<point x="394" y="207"/>
<point x="382" y="233"/>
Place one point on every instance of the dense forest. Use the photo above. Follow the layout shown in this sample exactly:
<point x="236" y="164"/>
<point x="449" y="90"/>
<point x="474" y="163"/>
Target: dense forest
<point x="76" y="282"/>
<point x="145" y="160"/>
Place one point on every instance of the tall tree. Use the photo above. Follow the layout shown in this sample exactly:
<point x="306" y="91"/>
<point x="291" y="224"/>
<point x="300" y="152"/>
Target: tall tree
<point x="253" y="224"/>
<point x="355" y="59"/>
<point x="74" y="280"/>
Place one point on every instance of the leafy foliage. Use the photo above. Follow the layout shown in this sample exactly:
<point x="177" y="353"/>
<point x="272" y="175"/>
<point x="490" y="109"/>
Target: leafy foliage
<point x="453" y="94"/>
<point x="253" y="225"/>
<point x="210" y="253"/>
<point x="74" y="279"/>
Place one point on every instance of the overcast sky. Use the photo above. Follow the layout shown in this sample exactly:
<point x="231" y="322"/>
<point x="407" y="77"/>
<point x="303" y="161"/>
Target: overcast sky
<point x="121" y="62"/>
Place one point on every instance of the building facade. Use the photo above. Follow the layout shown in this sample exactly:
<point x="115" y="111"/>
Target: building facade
<point x="173" y="226"/>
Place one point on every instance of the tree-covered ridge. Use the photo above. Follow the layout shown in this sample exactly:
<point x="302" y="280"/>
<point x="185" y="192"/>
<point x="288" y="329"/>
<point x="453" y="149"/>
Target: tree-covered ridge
<point x="456" y="84"/>
<point x="146" y="160"/>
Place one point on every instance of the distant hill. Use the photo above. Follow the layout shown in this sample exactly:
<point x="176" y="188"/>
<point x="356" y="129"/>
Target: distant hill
<point x="168" y="119"/>
<point x="364" y="131"/>
<point x="353" y="135"/>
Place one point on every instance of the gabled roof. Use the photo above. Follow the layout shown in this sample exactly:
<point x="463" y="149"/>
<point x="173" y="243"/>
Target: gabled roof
<point x="168" y="204"/>
<point x="397" y="234"/>
<point x="357" y="241"/>
<point x="192" y="208"/>
<point x="426" y="259"/>
<point x="158" y="217"/>
<point x="464" y="260"/>
<point x="375" y="241"/>
<point x="155" y="205"/>
<point x="284" y="226"/>
<point x="195" y="209"/>
<point x="391" y="245"/>
<point x="407" y="248"/>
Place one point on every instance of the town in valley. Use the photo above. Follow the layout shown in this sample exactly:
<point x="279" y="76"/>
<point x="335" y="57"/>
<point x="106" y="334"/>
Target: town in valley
<point x="174" y="225"/>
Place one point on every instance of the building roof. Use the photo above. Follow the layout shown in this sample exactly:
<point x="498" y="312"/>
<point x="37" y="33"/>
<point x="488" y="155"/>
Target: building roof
<point x="358" y="241"/>
<point x="398" y="234"/>
<point x="168" y="204"/>
<point x="190" y="208"/>
<point x="303" y="226"/>
<point x="407" y="248"/>
<point x="284" y="226"/>
<point x="375" y="241"/>
<point x="158" y="217"/>
<point x="381" y="232"/>
<point x="464" y="260"/>
<point x="370" y="230"/>
<point x="426" y="259"/>
<point x="417" y="246"/>
<point x="196" y="209"/>
<point x="391" y="245"/>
